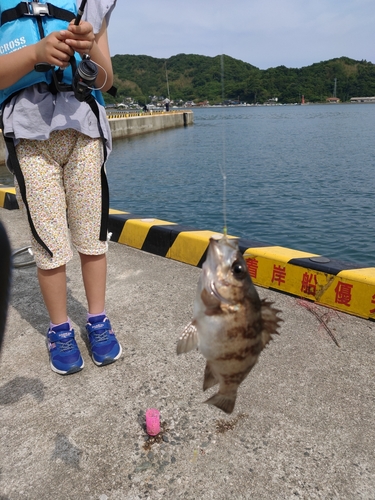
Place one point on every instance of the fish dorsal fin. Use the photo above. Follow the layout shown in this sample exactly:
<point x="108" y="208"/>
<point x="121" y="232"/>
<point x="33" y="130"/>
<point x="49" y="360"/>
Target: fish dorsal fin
<point x="271" y="321"/>
<point x="209" y="378"/>
<point x="188" y="339"/>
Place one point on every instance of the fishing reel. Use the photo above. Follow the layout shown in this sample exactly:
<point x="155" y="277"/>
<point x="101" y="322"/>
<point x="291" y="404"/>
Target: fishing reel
<point x="83" y="80"/>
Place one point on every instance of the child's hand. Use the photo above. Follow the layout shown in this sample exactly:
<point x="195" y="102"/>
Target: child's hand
<point x="53" y="50"/>
<point x="80" y="38"/>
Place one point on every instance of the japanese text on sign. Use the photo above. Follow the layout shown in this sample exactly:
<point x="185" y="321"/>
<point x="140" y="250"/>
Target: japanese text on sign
<point x="278" y="275"/>
<point x="343" y="293"/>
<point x="309" y="283"/>
<point x="252" y="265"/>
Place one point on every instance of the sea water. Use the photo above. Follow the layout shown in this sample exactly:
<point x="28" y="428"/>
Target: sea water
<point x="302" y="177"/>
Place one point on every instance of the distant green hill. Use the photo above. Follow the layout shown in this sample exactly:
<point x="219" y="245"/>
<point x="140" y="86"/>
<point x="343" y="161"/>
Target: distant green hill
<point x="198" y="78"/>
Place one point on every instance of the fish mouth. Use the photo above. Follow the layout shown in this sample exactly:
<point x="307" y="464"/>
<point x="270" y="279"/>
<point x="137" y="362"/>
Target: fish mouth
<point x="210" y="284"/>
<point x="214" y="291"/>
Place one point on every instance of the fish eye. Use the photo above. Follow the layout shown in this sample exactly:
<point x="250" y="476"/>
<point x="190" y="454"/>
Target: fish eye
<point x="238" y="270"/>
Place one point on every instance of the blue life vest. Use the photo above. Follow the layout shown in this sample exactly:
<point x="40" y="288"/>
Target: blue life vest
<point x="26" y="23"/>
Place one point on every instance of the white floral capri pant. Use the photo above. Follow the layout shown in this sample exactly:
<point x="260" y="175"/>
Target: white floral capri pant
<point x="63" y="191"/>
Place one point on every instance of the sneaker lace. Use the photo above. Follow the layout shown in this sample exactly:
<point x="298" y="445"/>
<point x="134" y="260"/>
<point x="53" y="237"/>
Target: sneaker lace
<point x="67" y="345"/>
<point x="101" y="336"/>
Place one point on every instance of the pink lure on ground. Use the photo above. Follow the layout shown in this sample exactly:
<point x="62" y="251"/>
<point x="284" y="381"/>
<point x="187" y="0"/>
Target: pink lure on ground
<point x="152" y="421"/>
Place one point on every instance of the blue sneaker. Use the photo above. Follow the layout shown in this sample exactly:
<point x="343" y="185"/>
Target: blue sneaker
<point x="65" y="357"/>
<point x="105" y="348"/>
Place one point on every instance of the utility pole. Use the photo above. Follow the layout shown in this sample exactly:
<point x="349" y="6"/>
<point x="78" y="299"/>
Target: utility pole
<point x="166" y="76"/>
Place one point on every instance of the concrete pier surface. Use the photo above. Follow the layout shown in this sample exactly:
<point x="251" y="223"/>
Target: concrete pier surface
<point x="303" y="425"/>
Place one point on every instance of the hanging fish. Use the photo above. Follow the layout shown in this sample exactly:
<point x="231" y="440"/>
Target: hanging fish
<point x="231" y="325"/>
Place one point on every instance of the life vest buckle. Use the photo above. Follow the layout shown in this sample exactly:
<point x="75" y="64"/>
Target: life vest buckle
<point x="37" y="9"/>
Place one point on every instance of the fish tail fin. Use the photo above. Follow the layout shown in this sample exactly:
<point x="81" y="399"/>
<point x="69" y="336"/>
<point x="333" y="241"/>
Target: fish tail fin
<point x="224" y="402"/>
<point x="209" y="378"/>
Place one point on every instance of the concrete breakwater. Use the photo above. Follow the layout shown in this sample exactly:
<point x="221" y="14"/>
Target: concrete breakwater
<point x="129" y="124"/>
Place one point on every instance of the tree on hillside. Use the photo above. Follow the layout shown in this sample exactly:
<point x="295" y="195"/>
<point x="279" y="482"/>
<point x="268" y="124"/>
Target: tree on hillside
<point x="192" y="76"/>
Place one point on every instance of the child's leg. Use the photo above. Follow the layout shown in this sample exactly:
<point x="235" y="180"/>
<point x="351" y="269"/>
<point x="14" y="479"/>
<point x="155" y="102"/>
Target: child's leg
<point x="53" y="287"/>
<point x="94" y="273"/>
<point x="82" y="180"/>
<point x="42" y="164"/>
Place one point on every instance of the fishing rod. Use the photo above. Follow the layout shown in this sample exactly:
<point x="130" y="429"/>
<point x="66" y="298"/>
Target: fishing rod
<point x="80" y="12"/>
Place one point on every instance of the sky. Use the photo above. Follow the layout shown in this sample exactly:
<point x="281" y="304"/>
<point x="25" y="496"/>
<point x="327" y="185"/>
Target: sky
<point x="264" y="33"/>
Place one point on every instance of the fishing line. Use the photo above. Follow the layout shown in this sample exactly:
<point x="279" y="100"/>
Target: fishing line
<point x="223" y="169"/>
<point x="223" y="165"/>
<point x="106" y="77"/>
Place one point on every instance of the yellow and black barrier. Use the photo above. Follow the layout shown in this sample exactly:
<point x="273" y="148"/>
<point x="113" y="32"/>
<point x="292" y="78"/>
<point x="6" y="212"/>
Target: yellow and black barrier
<point x="8" y="198"/>
<point x="332" y="283"/>
<point x="343" y="286"/>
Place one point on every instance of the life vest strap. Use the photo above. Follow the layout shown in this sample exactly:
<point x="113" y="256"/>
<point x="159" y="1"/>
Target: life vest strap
<point x="91" y="101"/>
<point x="35" y="9"/>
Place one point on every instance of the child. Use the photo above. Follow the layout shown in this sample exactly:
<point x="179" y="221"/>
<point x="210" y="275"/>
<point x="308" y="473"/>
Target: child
<point x="56" y="152"/>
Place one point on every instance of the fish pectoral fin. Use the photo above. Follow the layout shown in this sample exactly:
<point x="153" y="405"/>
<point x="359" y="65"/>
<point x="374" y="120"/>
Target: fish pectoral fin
<point x="223" y="401"/>
<point x="209" y="378"/>
<point x="188" y="339"/>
